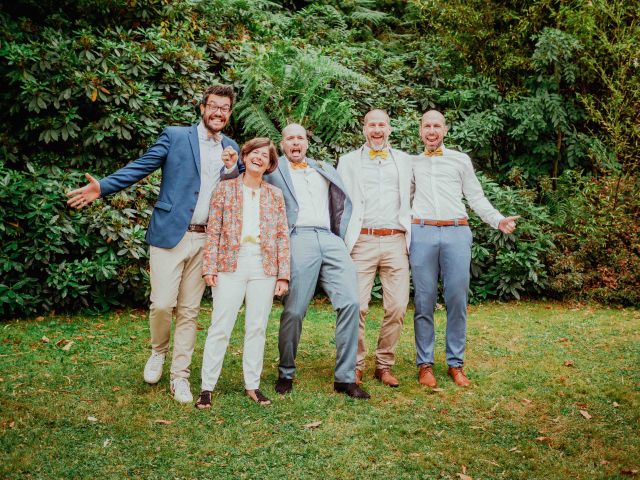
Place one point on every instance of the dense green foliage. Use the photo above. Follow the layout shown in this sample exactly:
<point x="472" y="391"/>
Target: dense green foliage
<point x="543" y="95"/>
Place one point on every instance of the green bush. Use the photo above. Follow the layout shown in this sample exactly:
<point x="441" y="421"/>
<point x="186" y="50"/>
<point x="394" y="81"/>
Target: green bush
<point x="54" y="259"/>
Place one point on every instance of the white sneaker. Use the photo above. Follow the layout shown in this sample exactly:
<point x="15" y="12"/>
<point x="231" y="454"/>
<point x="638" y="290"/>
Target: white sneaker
<point x="181" y="390"/>
<point x="153" y="368"/>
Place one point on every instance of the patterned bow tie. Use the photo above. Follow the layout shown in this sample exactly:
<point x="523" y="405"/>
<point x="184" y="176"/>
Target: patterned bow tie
<point x="378" y="153"/>
<point x="433" y="153"/>
<point x="299" y="165"/>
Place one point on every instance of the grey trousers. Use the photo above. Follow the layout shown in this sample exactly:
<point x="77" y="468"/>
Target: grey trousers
<point x="318" y="254"/>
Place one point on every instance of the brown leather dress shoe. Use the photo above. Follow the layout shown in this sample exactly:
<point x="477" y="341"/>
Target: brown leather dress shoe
<point x="426" y="376"/>
<point x="358" y="377"/>
<point x="458" y="376"/>
<point x="386" y="377"/>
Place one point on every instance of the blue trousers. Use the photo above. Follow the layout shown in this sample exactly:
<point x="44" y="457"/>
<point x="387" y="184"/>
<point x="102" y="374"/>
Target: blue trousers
<point x="319" y="255"/>
<point x="445" y="252"/>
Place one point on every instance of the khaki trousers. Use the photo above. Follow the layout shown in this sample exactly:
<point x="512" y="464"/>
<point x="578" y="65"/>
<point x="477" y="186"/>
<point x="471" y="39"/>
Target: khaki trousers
<point x="176" y="283"/>
<point x="388" y="256"/>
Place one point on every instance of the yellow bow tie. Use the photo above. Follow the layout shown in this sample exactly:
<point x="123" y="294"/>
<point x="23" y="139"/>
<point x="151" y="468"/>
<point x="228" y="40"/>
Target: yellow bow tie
<point x="299" y="165"/>
<point x="378" y="153"/>
<point x="433" y="153"/>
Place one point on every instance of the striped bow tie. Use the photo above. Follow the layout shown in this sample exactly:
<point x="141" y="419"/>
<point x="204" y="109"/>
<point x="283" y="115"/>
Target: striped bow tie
<point x="378" y="153"/>
<point x="433" y="153"/>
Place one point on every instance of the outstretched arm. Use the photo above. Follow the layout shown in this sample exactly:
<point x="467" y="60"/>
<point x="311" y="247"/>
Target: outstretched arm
<point x="83" y="196"/>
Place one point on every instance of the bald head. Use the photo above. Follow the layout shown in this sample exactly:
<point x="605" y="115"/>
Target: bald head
<point x="294" y="142"/>
<point x="433" y="129"/>
<point x="376" y="113"/>
<point x="293" y="127"/>
<point x="434" y="115"/>
<point x="376" y="129"/>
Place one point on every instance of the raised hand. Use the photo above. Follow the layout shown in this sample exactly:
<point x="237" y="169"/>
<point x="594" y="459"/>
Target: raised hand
<point x="229" y="157"/>
<point x="81" y="197"/>
<point x="508" y="224"/>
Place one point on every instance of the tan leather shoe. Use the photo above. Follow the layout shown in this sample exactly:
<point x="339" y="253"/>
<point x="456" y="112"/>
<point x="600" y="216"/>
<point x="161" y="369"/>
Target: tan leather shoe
<point x="458" y="376"/>
<point x="358" y="377"/>
<point x="426" y="376"/>
<point x="386" y="377"/>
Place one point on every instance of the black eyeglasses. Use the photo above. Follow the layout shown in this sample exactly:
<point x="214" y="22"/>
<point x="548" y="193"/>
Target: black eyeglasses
<point x="214" y="108"/>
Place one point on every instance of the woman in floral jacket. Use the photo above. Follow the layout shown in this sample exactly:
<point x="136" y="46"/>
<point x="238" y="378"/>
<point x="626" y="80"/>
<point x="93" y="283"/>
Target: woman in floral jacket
<point x="246" y="257"/>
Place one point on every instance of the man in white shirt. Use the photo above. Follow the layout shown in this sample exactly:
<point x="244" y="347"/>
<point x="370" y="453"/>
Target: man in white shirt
<point x="378" y="180"/>
<point x="318" y="212"/>
<point x="441" y="244"/>
<point x="192" y="165"/>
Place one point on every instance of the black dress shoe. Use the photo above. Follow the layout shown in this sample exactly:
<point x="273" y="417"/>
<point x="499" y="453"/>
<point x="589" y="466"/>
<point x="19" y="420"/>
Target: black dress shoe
<point x="351" y="389"/>
<point x="284" y="385"/>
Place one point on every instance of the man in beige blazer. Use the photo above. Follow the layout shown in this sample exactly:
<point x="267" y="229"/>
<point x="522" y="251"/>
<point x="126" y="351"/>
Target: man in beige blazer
<point x="378" y="180"/>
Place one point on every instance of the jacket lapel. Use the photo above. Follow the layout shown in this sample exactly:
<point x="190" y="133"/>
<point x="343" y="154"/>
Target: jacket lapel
<point x="284" y="170"/>
<point x="195" y="146"/>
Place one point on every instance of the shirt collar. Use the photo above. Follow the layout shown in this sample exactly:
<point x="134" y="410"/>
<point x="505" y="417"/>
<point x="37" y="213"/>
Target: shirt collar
<point x="203" y="134"/>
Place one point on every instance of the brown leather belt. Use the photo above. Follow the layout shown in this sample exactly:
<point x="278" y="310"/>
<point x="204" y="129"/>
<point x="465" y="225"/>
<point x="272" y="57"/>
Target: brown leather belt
<point x="381" y="232"/>
<point x="440" y="223"/>
<point x="196" y="227"/>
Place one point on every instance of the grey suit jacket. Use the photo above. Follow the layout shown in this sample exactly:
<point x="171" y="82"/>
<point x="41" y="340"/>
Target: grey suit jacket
<point x="339" y="202"/>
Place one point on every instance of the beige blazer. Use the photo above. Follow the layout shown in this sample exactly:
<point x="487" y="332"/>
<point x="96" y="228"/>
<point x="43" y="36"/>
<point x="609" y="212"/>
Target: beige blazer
<point x="349" y="168"/>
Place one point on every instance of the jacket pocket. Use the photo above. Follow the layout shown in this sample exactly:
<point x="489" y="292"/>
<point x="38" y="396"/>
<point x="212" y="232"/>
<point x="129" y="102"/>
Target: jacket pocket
<point x="163" y="206"/>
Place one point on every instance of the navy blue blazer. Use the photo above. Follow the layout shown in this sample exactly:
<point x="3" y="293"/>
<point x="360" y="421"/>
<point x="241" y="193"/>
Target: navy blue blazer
<point x="177" y="152"/>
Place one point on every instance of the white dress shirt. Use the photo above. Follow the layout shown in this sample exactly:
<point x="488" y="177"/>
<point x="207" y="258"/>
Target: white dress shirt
<point x="440" y="184"/>
<point x="381" y="191"/>
<point x="210" y="165"/>
<point x="250" y="216"/>
<point x="312" y="193"/>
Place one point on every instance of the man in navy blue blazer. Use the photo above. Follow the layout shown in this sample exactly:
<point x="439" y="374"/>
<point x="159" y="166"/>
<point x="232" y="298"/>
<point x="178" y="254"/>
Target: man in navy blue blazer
<point x="191" y="159"/>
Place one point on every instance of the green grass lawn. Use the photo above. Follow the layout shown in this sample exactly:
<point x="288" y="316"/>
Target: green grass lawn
<point x="82" y="410"/>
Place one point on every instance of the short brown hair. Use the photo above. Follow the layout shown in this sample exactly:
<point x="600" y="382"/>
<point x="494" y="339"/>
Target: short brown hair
<point x="221" y="91"/>
<point x="260" y="142"/>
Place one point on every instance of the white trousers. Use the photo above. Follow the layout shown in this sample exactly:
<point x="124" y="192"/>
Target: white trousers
<point x="248" y="283"/>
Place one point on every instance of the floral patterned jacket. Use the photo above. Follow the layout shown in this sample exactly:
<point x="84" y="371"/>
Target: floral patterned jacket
<point x="225" y="228"/>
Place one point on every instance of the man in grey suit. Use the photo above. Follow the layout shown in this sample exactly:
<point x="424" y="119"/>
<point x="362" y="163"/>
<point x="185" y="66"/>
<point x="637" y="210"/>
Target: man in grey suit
<point x="318" y="212"/>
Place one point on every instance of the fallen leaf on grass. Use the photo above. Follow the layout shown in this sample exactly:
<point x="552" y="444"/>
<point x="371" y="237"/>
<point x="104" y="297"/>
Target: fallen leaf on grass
<point x="44" y="339"/>
<point x="106" y="443"/>
<point x="616" y="404"/>
<point x="585" y="414"/>
<point x="163" y="422"/>
<point x="436" y="390"/>
<point x="462" y="476"/>
<point x="315" y="424"/>
<point x="92" y="419"/>
<point x="543" y="439"/>
<point x="515" y="449"/>
<point x="563" y="339"/>
<point x="100" y="325"/>
<point x="12" y="424"/>
<point x="61" y="342"/>
<point x="68" y="346"/>
<point x="632" y="472"/>
<point x="526" y="401"/>
<point x="132" y="337"/>
<point x="39" y="319"/>
<point x="604" y="462"/>
<point x="568" y="363"/>
<point x="115" y="389"/>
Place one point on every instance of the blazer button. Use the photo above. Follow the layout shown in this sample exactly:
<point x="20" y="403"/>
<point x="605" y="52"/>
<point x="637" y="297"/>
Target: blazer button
<point x="197" y="193"/>
<point x="191" y="210"/>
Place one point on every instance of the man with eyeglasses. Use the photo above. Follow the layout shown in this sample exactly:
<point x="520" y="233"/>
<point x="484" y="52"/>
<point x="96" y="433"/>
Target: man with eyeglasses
<point x="191" y="159"/>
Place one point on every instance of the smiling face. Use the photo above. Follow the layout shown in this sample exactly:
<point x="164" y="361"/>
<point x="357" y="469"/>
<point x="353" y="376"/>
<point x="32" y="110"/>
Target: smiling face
<point x="257" y="161"/>
<point x="376" y="129"/>
<point x="215" y="113"/>
<point x="433" y="129"/>
<point x="294" y="142"/>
